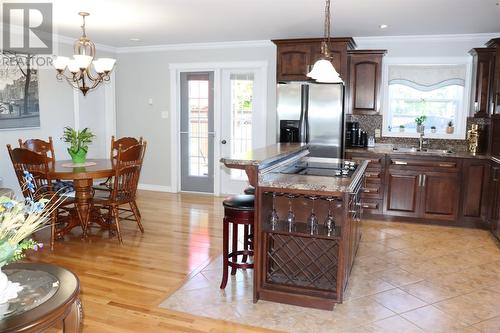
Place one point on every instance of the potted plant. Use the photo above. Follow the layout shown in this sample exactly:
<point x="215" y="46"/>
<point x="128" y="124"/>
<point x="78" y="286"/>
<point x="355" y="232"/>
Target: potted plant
<point x="401" y="128"/>
<point x="78" y="141"/>
<point x="450" y="128"/>
<point x="433" y="129"/>
<point x="420" y="123"/>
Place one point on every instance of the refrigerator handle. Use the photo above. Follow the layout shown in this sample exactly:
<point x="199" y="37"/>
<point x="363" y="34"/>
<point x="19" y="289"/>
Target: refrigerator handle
<point x="304" y="116"/>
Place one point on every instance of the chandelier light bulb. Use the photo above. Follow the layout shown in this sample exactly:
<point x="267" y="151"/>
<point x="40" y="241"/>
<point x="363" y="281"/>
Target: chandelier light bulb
<point x="83" y="61"/>
<point x="60" y="63"/>
<point x="73" y="66"/>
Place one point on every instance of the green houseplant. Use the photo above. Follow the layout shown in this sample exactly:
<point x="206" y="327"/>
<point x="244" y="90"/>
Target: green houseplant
<point x="420" y="123"/>
<point x="78" y="143"/>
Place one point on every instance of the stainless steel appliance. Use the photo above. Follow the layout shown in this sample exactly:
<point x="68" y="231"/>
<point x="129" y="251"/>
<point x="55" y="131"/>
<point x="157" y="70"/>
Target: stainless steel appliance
<point x="319" y="108"/>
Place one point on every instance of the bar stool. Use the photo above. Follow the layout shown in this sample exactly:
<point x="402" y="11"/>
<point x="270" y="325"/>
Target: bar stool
<point x="238" y="209"/>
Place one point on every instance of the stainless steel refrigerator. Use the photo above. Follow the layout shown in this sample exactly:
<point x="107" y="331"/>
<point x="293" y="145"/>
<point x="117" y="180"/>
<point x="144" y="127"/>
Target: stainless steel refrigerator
<point x="318" y="110"/>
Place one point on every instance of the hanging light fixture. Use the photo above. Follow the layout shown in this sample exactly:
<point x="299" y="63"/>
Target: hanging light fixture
<point x="323" y="70"/>
<point x="79" y="67"/>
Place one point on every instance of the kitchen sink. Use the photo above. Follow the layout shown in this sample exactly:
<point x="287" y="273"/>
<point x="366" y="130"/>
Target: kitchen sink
<point x="422" y="151"/>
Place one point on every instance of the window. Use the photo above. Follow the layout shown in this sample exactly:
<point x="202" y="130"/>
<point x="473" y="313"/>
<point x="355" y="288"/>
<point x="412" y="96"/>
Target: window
<point x="241" y="117"/>
<point x="198" y="125"/>
<point x="437" y="92"/>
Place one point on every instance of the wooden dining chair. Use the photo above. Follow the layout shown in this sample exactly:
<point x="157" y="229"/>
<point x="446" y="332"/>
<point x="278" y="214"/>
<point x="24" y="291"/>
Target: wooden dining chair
<point x="38" y="165"/>
<point x="125" y="143"/>
<point x="47" y="147"/>
<point x="39" y="146"/>
<point x="124" y="185"/>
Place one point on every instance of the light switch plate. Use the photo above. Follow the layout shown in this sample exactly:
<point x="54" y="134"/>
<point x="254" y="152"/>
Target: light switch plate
<point x="377" y="133"/>
<point x="164" y="114"/>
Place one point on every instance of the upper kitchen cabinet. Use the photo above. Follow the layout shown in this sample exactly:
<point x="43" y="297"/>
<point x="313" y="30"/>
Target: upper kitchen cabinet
<point x="482" y="84"/>
<point x="365" y="76"/>
<point x="295" y="57"/>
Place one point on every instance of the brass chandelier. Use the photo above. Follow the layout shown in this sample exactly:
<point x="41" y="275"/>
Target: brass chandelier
<point x="323" y="70"/>
<point x="81" y="76"/>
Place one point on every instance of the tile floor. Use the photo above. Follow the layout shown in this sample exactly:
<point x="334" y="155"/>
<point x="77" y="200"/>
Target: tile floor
<point x="406" y="278"/>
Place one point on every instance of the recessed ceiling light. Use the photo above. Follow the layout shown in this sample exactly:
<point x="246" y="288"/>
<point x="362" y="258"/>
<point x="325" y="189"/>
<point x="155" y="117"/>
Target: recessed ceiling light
<point x="383" y="26"/>
<point x="135" y="39"/>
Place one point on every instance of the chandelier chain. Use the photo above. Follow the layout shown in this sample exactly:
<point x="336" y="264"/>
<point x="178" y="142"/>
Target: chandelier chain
<point x="327" y="21"/>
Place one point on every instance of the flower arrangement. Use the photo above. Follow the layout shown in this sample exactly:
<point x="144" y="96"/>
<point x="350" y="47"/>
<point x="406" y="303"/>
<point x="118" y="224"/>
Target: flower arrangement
<point x="18" y="220"/>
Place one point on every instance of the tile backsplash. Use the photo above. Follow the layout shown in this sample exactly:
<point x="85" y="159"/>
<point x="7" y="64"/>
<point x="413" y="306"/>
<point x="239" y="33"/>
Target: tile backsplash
<point x="369" y="123"/>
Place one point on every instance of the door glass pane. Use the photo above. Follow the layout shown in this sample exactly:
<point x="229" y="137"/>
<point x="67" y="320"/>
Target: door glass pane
<point x="242" y="92"/>
<point x="198" y="125"/>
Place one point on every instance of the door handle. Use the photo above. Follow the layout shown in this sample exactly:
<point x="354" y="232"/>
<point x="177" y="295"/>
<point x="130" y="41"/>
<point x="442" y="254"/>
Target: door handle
<point x="223" y="142"/>
<point x="399" y="162"/>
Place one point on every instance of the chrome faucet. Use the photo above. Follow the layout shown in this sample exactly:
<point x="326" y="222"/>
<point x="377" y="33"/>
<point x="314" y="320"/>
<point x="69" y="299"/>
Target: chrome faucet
<point x="421" y="142"/>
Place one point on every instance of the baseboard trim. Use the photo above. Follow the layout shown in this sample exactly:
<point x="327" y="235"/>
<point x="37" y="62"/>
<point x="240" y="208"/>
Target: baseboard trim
<point x="156" y="188"/>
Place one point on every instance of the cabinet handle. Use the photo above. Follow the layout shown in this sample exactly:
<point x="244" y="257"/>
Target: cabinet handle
<point x="372" y="175"/>
<point x="495" y="173"/>
<point x="447" y="165"/>
<point x="419" y="180"/>
<point x="370" y="206"/>
<point x="424" y="180"/>
<point x="399" y="163"/>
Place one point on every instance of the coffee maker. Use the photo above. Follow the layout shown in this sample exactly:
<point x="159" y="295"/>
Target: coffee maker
<point x="354" y="136"/>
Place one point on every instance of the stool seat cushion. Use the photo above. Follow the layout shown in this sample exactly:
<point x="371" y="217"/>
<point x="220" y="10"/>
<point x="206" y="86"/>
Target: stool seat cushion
<point x="240" y="202"/>
<point x="249" y="190"/>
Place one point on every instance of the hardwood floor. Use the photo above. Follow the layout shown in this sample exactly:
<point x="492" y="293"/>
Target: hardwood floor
<point x="122" y="286"/>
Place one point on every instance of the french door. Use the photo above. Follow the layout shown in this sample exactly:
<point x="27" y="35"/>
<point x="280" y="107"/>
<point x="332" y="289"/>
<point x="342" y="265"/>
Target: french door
<point x="220" y="112"/>
<point x="197" y="131"/>
<point x="241" y="118"/>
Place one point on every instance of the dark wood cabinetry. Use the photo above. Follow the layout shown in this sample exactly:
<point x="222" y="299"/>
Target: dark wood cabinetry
<point x="422" y="188"/>
<point x="494" y="200"/>
<point x="295" y="57"/>
<point x="475" y="175"/>
<point x="482" y="84"/>
<point x="365" y="76"/>
<point x="402" y="196"/>
<point x="372" y="193"/>
<point x="440" y="195"/>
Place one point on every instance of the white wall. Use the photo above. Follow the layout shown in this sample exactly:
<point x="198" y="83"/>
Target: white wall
<point x="144" y="75"/>
<point x="57" y="110"/>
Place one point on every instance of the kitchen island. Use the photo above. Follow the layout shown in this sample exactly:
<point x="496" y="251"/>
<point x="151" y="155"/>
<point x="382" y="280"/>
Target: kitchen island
<point x="306" y="228"/>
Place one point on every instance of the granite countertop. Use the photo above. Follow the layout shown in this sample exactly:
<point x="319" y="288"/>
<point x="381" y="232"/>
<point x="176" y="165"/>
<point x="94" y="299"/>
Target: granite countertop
<point x="264" y="155"/>
<point x="276" y="179"/>
<point x="388" y="149"/>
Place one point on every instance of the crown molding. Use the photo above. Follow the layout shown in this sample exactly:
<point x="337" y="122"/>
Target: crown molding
<point x="481" y="38"/>
<point x="195" y="46"/>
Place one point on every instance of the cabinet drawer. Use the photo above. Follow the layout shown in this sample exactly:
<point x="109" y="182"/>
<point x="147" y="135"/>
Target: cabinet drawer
<point x="417" y="164"/>
<point x="371" y="206"/>
<point x="372" y="189"/>
<point x="372" y="175"/>
<point x="374" y="161"/>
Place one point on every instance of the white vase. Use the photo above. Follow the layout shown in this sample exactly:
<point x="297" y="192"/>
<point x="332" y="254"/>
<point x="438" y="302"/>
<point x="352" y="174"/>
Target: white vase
<point x="8" y="290"/>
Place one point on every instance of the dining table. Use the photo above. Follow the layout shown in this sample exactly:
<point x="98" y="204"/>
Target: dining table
<point x="83" y="176"/>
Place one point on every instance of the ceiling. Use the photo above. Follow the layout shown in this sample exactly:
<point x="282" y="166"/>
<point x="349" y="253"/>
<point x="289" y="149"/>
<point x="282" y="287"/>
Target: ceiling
<point x="154" y="22"/>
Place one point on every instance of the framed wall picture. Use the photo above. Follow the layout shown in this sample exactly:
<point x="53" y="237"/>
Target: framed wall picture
<point x="19" y="104"/>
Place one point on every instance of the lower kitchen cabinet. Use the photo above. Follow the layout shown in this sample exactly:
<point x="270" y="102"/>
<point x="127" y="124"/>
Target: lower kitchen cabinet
<point x="422" y="188"/>
<point x="475" y="175"/>
<point x="494" y="202"/>
<point x="402" y="194"/>
<point x="440" y="195"/>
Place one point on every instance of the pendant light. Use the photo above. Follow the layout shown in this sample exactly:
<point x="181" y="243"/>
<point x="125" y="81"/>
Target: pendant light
<point x="323" y="70"/>
<point x="80" y="75"/>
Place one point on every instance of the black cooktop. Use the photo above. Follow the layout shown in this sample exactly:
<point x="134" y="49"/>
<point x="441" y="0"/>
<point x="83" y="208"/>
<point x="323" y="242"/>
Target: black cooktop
<point x="344" y="169"/>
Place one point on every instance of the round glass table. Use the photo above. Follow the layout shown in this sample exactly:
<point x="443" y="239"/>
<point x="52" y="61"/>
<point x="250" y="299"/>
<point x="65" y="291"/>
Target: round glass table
<point x="49" y="296"/>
